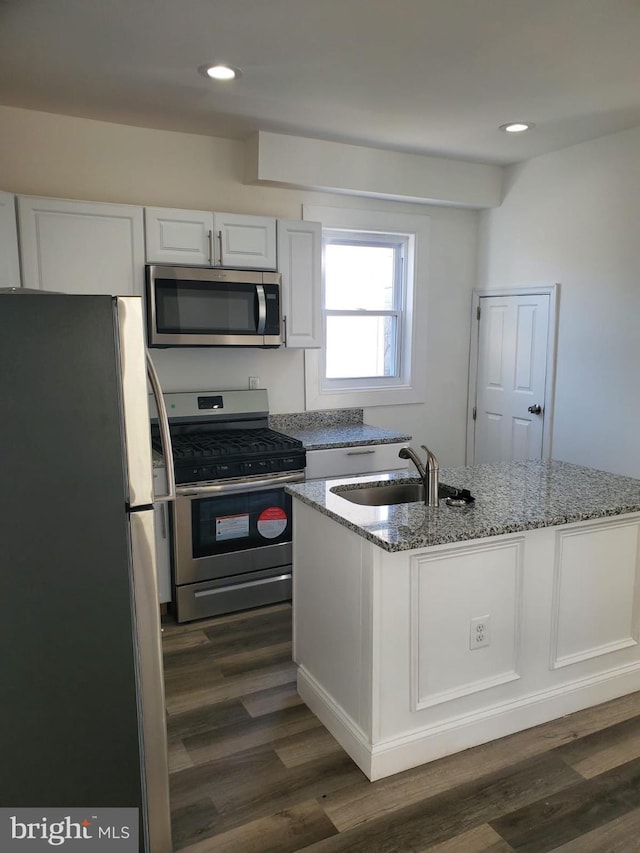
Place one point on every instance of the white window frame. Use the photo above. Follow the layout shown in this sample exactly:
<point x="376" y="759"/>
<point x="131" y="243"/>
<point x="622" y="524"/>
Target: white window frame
<point x="408" y="386"/>
<point x="371" y="238"/>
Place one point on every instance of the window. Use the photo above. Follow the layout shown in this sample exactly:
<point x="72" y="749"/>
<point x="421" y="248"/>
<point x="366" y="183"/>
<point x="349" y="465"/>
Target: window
<point x="364" y="295"/>
<point x="371" y="355"/>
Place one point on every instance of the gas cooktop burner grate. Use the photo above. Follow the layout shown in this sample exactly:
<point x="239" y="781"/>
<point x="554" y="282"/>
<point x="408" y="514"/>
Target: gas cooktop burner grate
<point x="222" y="454"/>
<point x="225" y="435"/>
<point x="223" y="443"/>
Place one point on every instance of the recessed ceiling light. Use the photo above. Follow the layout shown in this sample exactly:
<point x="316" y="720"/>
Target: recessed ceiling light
<point x="218" y="71"/>
<point x="517" y="126"/>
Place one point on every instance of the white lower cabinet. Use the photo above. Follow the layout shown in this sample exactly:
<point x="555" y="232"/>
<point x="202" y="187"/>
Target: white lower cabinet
<point x="9" y="264"/>
<point x="412" y="655"/>
<point x="81" y="247"/>
<point x="362" y="459"/>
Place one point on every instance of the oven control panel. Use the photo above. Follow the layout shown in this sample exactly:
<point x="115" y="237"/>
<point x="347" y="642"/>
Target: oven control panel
<point x="198" y="473"/>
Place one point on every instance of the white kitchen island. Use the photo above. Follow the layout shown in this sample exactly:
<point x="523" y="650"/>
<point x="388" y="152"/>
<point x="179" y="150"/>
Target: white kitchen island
<point x="419" y="632"/>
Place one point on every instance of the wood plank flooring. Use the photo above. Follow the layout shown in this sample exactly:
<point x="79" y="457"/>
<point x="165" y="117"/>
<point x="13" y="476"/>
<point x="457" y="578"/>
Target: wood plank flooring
<point x="252" y="770"/>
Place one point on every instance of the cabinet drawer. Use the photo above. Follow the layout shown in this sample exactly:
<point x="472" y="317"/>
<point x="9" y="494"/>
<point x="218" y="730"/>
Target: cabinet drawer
<point x="363" y="459"/>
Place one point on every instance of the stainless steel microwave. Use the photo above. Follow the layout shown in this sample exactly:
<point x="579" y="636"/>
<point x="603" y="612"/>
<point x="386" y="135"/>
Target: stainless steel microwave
<point x="206" y="307"/>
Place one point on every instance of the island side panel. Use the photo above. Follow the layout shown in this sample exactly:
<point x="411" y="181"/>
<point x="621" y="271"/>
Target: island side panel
<point x="332" y="626"/>
<point x="563" y="610"/>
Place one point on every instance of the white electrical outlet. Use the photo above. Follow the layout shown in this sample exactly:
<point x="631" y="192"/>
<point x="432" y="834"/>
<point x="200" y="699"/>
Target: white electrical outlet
<point x="479" y="632"/>
<point x="254" y="382"/>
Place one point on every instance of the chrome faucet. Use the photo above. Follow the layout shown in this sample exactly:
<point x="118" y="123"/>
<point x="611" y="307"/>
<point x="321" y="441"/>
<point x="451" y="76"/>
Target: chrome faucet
<point x="428" y="475"/>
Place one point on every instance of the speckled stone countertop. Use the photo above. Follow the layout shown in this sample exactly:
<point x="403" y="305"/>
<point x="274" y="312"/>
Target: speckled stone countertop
<point x="510" y="497"/>
<point x="330" y="428"/>
<point x="325" y="438"/>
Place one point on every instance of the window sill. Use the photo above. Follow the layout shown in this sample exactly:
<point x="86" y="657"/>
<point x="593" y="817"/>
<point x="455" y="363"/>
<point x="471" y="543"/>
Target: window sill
<point x="316" y="398"/>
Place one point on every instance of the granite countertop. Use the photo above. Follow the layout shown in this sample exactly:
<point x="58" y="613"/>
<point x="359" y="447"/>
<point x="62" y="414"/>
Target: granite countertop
<point x="328" y="428"/>
<point x="344" y="435"/>
<point x="510" y="497"/>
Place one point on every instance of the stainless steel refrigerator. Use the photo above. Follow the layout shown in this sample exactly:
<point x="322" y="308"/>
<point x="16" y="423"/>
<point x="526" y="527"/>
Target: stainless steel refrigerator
<point x="82" y="715"/>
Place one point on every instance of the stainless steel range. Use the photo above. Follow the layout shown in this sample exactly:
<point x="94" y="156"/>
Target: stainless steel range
<point x="231" y="521"/>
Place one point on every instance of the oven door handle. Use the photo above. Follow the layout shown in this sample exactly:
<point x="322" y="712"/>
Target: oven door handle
<point x="268" y="484"/>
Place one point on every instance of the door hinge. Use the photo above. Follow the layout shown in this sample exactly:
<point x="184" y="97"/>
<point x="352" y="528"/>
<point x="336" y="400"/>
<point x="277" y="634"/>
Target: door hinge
<point x="478" y="313"/>
<point x="474" y="413"/>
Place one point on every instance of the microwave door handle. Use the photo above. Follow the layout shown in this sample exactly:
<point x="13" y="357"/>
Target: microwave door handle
<point x="165" y="436"/>
<point x="262" y="309"/>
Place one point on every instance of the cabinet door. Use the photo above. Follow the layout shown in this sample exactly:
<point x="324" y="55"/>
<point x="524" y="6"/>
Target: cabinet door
<point x="9" y="265"/>
<point x="245" y="241"/>
<point x="300" y="256"/>
<point x="178" y="236"/>
<point x="81" y="247"/>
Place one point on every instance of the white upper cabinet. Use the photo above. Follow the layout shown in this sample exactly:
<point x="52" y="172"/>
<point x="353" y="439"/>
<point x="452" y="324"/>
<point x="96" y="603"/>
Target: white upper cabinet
<point x="300" y="257"/>
<point x="9" y="264"/>
<point x="210" y="239"/>
<point x="81" y="246"/>
<point x="178" y="236"/>
<point x="245" y="241"/>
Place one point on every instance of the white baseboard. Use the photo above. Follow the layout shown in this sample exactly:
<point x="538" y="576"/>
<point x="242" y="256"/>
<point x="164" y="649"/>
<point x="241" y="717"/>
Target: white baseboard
<point x="393" y="755"/>
<point x="350" y="737"/>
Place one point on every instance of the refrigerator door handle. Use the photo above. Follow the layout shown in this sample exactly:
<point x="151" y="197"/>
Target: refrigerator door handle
<point x="150" y="677"/>
<point x="165" y="436"/>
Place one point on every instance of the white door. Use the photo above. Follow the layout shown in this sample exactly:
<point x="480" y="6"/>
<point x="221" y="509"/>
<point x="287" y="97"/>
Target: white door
<point x="511" y="377"/>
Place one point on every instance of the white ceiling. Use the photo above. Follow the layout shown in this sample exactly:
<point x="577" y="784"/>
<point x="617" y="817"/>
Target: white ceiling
<point x="428" y="76"/>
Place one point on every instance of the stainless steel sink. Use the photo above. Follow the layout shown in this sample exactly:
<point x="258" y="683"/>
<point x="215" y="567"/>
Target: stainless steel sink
<point x="393" y="493"/>
<point x="387" y="494"/>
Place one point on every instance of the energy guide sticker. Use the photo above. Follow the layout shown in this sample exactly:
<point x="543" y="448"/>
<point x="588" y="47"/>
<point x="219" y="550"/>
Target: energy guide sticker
<point x="232" y="527"/>
<point x="272" y="522"/>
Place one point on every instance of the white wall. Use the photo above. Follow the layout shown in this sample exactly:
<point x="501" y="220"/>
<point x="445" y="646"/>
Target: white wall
<point x="574" y="217"/>
<point x="61" y="156"/>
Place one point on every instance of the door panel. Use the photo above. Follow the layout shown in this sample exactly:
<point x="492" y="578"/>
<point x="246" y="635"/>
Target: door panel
<point x="246" y="241"/>
<point x="81" y="247"/>
<point x="511" y="376"/>
<point x="178" y="236"/>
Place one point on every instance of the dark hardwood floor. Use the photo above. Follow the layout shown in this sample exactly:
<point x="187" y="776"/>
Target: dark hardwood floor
<point x="254" y="771"/>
